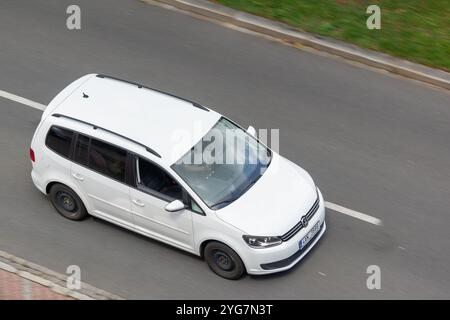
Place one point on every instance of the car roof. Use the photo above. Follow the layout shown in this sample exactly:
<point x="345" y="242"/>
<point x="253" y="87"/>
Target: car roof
<point x="166" y="124"/>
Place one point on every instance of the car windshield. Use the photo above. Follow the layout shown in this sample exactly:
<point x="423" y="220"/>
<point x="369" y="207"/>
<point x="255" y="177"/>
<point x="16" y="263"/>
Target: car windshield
<point x="224" y="164"/>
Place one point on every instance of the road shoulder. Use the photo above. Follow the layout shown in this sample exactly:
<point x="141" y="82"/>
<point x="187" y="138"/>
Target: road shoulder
<point x="290" y="35"/>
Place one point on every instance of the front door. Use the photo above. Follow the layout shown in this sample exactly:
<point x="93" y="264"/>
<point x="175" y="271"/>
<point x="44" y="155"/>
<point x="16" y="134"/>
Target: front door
<point x="156" y="189"/>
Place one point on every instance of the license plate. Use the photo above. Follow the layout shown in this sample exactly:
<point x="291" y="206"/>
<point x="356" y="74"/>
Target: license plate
<point x="309" y="235"/>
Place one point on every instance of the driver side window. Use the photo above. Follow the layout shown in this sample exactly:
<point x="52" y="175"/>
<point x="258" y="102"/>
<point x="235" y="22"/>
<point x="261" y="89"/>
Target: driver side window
<point x="152" y="177"/>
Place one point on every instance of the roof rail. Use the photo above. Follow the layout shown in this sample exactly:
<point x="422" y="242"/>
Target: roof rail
<point x="58" y="115"/>
<point x="140" y="86"/>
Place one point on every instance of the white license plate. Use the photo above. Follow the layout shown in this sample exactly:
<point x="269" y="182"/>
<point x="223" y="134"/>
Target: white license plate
<point x="309" y="235"/>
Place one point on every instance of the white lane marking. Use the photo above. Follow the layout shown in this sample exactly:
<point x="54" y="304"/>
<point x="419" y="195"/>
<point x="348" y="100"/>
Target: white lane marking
<point x="21" y="100"/>
<point x="329" y="205"/>
<point x="353" y="213"/>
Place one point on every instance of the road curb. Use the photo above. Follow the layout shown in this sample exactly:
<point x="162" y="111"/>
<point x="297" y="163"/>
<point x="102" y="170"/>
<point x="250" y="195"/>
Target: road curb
<point x="288" y="34"/>
<point x="51" y="279"/>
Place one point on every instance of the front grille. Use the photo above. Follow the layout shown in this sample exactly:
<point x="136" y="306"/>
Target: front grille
<point x="299" y="225"/>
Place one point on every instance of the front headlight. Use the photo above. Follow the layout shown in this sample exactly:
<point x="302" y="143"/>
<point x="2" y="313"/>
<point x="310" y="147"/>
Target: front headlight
<point x="261" y="242"/>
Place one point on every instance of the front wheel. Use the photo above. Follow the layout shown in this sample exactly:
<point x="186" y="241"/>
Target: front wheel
<point x="224" y="261"/>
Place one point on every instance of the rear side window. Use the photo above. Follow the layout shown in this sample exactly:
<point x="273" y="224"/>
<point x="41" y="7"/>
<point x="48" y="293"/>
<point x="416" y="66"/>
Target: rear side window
<point x="81" y="155"/>
<point x="107" y="159"/>
<point x="59" y="140"/>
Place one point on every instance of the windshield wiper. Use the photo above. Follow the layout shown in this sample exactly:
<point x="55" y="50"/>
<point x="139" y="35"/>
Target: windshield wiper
<point x="231" y="199"/>
<point x="224" y="202"/>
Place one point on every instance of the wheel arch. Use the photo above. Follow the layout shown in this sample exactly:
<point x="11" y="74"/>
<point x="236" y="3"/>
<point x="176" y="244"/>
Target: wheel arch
<point x="203" y="246"/>
<point x="204" y="242"/>
<point x="51" y="183"/>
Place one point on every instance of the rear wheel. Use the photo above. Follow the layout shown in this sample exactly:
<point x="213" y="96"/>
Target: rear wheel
<point x="224" y="261"/>
<point x="67" y="202"/>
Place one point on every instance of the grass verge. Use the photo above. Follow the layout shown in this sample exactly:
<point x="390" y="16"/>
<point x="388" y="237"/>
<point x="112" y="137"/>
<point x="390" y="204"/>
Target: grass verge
<point x="417" y="30"/>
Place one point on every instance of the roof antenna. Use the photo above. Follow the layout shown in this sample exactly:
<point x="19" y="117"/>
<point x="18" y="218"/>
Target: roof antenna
<point x="85" y="95"/>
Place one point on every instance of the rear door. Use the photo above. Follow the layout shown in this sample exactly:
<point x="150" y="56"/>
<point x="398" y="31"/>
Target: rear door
<point x="99" y="169"/>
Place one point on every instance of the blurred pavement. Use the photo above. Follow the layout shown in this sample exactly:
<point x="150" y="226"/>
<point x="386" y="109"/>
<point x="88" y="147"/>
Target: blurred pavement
<point x="14" y="287"/>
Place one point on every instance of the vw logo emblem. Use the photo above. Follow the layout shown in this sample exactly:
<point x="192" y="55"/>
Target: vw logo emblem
<point x="304" y="221"/>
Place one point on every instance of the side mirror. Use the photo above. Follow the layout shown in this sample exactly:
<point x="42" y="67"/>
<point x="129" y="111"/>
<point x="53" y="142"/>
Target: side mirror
<point x="251" y="131"/>
<point x="175" y="206"/>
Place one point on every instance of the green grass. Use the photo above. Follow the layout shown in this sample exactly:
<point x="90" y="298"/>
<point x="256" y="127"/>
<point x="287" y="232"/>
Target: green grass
<point x="417" y="30"/>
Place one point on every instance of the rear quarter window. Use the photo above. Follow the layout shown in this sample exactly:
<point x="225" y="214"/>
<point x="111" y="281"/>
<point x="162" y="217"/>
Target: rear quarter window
<point x="59" y="140"/>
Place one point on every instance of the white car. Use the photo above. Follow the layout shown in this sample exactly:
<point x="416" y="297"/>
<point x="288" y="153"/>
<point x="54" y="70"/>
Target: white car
<point x="127" y="153"/>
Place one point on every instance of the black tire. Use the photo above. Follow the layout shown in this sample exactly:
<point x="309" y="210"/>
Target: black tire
<point x="67" y="202"/>
<point x="224" y="261"/>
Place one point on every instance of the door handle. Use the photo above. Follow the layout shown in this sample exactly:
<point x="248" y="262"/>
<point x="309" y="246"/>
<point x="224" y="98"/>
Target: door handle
<point x="77" y="176"/>
<point x="138" y="203"/>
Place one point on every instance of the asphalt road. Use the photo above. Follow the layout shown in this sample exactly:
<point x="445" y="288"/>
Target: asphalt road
<point x="374" y="143"/>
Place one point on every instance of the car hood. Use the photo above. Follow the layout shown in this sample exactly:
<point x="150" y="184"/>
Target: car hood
<point x="275" y="203"/>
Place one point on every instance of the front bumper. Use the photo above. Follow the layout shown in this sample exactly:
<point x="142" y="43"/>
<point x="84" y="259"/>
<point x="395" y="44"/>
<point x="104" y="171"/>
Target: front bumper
<point x="287" y="254"/>
<point x="296" y="256"/>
